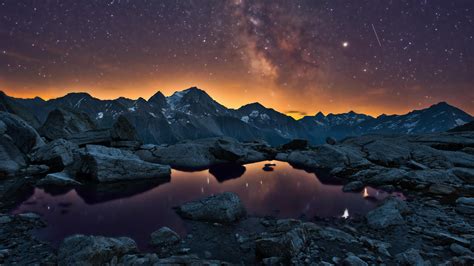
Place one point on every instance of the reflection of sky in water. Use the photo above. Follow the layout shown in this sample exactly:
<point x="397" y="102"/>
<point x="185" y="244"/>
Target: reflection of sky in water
<point x="137" y="210"/>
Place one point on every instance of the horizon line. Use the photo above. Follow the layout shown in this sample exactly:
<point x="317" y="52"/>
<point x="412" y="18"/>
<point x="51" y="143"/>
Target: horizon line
<point x="287" y="113"/>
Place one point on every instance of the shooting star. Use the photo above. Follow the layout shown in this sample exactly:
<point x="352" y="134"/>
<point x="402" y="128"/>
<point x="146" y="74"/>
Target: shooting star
<point x="376" y="35"/>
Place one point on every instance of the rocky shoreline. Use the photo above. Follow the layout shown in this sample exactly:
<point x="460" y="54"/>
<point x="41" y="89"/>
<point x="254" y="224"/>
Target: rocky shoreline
<point x="433" y="226"/>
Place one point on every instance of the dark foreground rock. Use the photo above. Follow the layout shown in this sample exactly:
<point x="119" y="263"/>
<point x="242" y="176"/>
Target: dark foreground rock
<point x="221" y="208"/>
<point x="201" y="154"/>
<point x="17" y="139"/>
<point x="18" y="247"/>
<point x="93" y="250"/>
<point x="388" y="214"/>
<point x="58" y="179"/>
<point x="56" y="154"/>
<point x="440" y="163"/>
<point x="434" y="225"/>
<point x="164" y="237"/>
<point x="105" y="164"/>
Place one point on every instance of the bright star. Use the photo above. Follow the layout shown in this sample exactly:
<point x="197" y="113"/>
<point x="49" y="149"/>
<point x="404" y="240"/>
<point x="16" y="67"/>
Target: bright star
<point x="345" y="44"/>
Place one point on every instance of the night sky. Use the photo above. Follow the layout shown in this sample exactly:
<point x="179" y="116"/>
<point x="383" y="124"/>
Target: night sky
<point x="299" y="57"/>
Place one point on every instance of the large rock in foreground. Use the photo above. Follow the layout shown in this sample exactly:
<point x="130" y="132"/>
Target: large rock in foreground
<point x="164" y="237"/>
<point x="328" y="157"/>
<point x="203" y="153"/>
<point x="93" y="250"/>
<point x="386" y="215"/>
<point x="21" y="134"/>
<point x="17" y="139"/>
<point x="221" y="208"/>
<point x="57" y="154"/>
<point x="104" y="164"/>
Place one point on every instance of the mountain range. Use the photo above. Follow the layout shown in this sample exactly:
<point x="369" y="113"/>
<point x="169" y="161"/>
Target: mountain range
<point x="193" y="114"/>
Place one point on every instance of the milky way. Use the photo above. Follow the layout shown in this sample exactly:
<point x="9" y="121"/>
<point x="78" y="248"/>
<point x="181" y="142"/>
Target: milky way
<point x="295" y="56"/>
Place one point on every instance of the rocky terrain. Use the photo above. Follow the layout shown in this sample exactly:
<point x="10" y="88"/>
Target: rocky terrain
<point x="433" y="226"/>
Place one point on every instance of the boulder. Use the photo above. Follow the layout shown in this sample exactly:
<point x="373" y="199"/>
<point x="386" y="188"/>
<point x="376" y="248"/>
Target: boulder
<point x="354" y="186"/>
<point x="221" y="208"/>
<point x="58" y="179"/>
<point x="432" y="158"/>
<point x="22" y="135"/>
<point x="388" y="176"/>
<point x="185" y="155"/>
<point x="98" y="137"/>
<point x="105" y="164"/>
<point x="334" y="234"/>
<point x="329" y="157"/>
<point x="93" y="250"/>
<point x="287" y="244"/>
<point x="17" y="139"/>
<point x="387" y="152"/>
<point x="35" y="170"/>
<point x="441" y="189"/>
<point x="432" y="177"/>
<point x="331" y="141"/>
<point x="410" y="257"/>
<point x="11" y="158"/>
<point x="465" y="205"/>
<point x="57" y="154"/>
<point x="63" y="123"/>
<point x="296" y="144"/>
<point x="203" y="153"/>
<point x="460" y="250"/>
<point x="466" y="174"/>
<point x="227" y="149"/>
<point x="122" y="129"/>
<point x="377" y="245"/>
<point x="386" y="215"/>
<point x="353" y="260"/>
<point x="164" y="237"/>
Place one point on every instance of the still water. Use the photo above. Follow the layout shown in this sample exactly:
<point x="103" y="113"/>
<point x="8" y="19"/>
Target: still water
<point x="136" y="209"/>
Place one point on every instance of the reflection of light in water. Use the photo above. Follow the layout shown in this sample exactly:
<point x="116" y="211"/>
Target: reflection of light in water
<point x="293" y="192"/>
<point x="366" y="193"/>
<point x="346" y="214"/>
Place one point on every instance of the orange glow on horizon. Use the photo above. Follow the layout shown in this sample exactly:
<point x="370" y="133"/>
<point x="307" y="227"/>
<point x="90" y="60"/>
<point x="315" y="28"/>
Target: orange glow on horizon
<point x="229" y="94"/>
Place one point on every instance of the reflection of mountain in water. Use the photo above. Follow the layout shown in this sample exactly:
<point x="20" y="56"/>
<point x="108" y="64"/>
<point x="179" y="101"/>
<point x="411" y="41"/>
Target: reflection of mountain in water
<point x="99" y="193"/>
<point x="227" y="171"/>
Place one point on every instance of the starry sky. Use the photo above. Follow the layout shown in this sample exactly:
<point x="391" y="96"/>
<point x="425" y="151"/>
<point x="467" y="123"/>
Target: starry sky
<point x="297" y="56"/>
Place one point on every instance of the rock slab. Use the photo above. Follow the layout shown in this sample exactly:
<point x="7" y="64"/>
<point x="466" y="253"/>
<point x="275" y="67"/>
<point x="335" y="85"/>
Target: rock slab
<point x="221" y="208"/>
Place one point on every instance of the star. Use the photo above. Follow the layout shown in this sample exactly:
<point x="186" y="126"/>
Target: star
<point x="345" y="44"/>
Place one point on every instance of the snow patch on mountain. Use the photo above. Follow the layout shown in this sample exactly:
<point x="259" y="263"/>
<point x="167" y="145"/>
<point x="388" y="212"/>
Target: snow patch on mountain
<point x="264" y="117"/>
<point x="254" y="114"/>
<point x="78" y="104"/>
<point x="460" y="122"/>
<point x="174" y="99"/>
